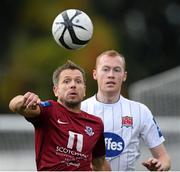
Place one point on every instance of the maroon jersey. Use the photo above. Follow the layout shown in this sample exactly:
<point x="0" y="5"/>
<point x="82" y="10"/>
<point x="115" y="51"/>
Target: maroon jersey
<point x="65" y="140"/>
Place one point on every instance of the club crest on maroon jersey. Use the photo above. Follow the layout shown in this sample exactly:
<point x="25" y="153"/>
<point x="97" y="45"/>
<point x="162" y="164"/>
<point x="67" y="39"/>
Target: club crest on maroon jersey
<point x="89" y="131"/>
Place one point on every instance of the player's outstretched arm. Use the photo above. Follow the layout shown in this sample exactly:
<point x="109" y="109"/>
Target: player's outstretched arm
<point x="26" y="105"/>
<point x="160" y="160"/>
<point x="100" y="164"/>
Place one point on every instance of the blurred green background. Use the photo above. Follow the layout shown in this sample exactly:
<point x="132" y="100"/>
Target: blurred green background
<point x="147" y="33"/>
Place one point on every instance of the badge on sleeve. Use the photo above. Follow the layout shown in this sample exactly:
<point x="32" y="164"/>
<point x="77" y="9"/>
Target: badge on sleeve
<point x="45" y="104"/>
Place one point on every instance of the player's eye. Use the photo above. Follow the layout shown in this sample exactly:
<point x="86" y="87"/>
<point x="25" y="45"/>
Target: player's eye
<point x="79" y="81"/>
<point x="66" y="81"/>
<point x="117" y="69"/>
<point x="105" y="69"/>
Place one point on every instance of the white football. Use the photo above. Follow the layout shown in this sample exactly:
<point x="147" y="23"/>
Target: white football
<point x="72" y="29"/>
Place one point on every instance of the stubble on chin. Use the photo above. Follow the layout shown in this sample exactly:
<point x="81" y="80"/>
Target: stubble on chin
<point x="72" y="104"/>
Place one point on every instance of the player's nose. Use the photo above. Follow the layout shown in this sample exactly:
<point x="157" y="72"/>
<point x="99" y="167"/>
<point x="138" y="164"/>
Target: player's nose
<point x="73" y="84"/>
<point x="111" y="73"/>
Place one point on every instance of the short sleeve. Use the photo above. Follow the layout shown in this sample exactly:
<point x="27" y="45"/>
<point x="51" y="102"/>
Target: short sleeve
<point x="38" y="120"/>
<point x="151" y="132"/>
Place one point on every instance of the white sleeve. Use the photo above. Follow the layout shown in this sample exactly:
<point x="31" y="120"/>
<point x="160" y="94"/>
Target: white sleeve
<point x="150" y="131"/>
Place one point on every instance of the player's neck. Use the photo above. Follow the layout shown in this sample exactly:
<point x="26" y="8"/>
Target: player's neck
<point x="75" y="109"/>
<point x="107" y="97"/>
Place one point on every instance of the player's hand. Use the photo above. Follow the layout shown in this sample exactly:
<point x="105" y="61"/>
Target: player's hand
<point x="153" y="164"/>
<point x="31" y="100"/>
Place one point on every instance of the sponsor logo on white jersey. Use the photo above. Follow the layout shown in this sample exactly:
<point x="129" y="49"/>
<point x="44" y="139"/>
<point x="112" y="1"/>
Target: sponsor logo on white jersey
<point x="114" y="144"/>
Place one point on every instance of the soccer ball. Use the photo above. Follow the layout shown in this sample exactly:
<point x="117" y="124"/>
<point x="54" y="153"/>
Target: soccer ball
<point x="72" y="29"/>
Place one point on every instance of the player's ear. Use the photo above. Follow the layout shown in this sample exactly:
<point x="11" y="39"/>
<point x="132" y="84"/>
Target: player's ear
<point x="125" y="76"/>
<point x="94" y="74"/>
<point x="55" y="90"/>
<point x="84" y="90"/>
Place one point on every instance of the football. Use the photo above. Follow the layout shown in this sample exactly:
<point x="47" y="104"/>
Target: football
<point x="72" y="29"/>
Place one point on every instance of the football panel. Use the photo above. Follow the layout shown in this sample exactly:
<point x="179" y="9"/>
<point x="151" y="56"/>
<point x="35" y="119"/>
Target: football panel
<point x="68" y="42"/>
<point x="83" y="27"/>
<point x="58" y="27"/>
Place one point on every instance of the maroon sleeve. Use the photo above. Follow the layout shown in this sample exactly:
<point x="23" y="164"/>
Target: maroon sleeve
<point x="44" y="108"/>
<point x="35" y="120"/>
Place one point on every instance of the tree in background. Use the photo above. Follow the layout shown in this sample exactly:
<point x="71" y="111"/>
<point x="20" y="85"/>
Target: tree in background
<point x="33" y="54"/>
<point x="147" y="33"/>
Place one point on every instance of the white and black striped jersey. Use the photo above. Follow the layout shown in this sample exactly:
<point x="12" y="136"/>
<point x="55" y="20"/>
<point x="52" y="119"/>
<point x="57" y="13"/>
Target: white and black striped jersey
<point x="125" y="123"/>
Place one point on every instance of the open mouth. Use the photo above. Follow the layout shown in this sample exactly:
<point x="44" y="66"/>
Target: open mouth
<point x="110" y="83"/>
<point x="73" y="94"/>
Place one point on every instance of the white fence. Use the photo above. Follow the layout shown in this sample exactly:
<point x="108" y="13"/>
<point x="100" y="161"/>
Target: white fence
<point x="161" y="93"/>
<point x="17" y="143"/>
